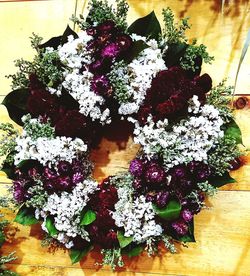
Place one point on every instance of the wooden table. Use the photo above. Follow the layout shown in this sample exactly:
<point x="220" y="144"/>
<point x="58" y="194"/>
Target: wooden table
<point x="223" y="230"/>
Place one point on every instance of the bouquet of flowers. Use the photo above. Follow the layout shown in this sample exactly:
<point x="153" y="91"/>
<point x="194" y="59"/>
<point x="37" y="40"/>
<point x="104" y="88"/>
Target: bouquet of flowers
<point x="76" y="84"/>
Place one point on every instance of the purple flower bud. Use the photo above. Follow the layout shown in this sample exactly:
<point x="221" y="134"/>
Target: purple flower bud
<point x="155" y="174"/>
<point x="64" y="183"/>
<point x="101" y="86"/>
<point x="124" y="41"/>
<point x="111" y="51"/>
<point x="106" y="27"/>
<point x="77" y="178"/>
<point x="187" y="215"/>
<point x="49" y="173"/>
<point x="136" y="167"/>
<point x="150" y="198"/>
<point x="180" y="227"/>
<point x="95" y="66"/>
<point x="137" y="184"/>
<point x="91" y="31"/>
<point x="179" y="172"/>
<point x="63" y="167"/>
<point x="32" y="172"/>
<point x="162" y="199"/>
<point x="19" y="191"/>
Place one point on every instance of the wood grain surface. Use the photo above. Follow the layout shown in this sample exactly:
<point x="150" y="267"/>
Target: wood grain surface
<point x="223" y="230"/>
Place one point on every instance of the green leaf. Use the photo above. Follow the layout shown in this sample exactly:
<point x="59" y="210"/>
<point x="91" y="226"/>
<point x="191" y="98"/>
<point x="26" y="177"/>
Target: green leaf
<point x="218" y="181"/>
<point x="137" y="47"/>
<point x="170" y="212"/>
<point x="77" y="255"/>
<point x="9" y="170"/>
<point x="15" y="103"/>
<point x="2" y="238"/>
<point x="49" y="223"/>
<point x="174" y="53"/>
<point x="147" y="26"/>
<point x="54" y="42"/>
<point x="87" y="217"/>
<point x="133" y="251"/>
<point x="232" y="130"/>
<point x="27" y="164"/>
<point x="189" y="237"/>
<point x="25" y="216"/>
<point x="123" y="241"/>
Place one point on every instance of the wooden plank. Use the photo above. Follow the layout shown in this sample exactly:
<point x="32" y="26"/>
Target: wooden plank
<point x="222" y="233"/>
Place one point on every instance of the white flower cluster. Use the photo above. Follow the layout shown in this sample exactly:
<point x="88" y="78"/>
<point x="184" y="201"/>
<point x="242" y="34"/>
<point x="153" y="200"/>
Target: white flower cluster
<point x="48" y="151"/>
<point x="75" y="55"/>
<point x="136" y="217"/>
<point x="140" y="73"/>
<point x="191" y="139"/>
<point x="66" y="209"/>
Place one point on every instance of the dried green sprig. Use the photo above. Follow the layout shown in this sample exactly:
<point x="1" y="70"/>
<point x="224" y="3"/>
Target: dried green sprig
<point x="172" y="31"/>
<point x="112" y="257"/>
<point x="169" y="243"/>
<point x="207" y="188"/>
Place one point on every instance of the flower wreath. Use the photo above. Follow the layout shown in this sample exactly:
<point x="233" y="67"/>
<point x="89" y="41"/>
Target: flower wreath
<point x="79" y="82"/>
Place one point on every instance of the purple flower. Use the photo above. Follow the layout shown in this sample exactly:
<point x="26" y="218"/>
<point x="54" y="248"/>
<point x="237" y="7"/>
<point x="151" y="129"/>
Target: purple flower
<point x="106" y="27"/>
<point x="111" y="51"/>
<point x="49" y="173"/>
<point x="19" y="192"/>
<point x="186" y="215"/>
<point x="124" y="41"/>
<point x="162" y="199"/>
<point x="150" y="197"/>
<point x="64" y="183"/>
<point x="136" y="167"/>
<point x="100" y="85"/>
<point x="77" y="177"/>
<point x="180" y="227"/>
<point x="137" y="184"/>
<point x="155" y="174"/>
<point x="179" y="172"/>
<point x="63" y="167"/>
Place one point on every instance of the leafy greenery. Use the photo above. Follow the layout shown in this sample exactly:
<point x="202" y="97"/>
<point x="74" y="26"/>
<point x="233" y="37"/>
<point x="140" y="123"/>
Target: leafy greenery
<point x="147" y="26"/>
<point x="123" y="241"/>
<point x="220" y="156"/>
<point x="174" y="32"/>
<point x="87" y="217"/>
<point x="25" y="216"/>
<point x="189" y="237"/>
<point x="188" y="60"/>
<point x="170" y="212"/>
<point x="207" y="188"/>
<point x="49" y="224"/>
<point x="219" y="97"/>
<point x="233" y="132"/>
<point x="169" y="244"/>
<point x="101" y="11"/>
<point x="35" y="129"/>
<point x="112" y="257"/>
<point x="132" y="250"/>
<point x="8" y="143"/>
<point x="76" y="255"/>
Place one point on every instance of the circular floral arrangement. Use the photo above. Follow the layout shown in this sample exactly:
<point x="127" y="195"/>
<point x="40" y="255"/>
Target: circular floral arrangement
<point x="76" y="84"/>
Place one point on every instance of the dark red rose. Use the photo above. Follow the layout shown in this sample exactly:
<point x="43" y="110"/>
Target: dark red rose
<point x="73" y="124"/>
<point x="108" y="197"/>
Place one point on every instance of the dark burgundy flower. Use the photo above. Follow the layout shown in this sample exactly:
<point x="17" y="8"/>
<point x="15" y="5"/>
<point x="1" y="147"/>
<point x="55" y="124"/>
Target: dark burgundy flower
<point x="200" y="170"/>
<point x="136" y="167"/>
<point x="34" y="82"/>
<point x="73" y="124"/>
<point x="235" y="164"/>
<point x="19" y="191"/>
<point x="143" y="114"/>
<point x="204" y="81"/>
<point x="137" y="184"/>
<point x="187" y="215"/>
<point x="178" y="172"/>
<point x="63" y="183"/>
<point x="180" y="227"/>
<point x="150" y="197"/>
<point x="91" y="31"/>
<point x="101" y="85"/>
<point x="79" y="243"/>
<point x="108" y="197"/>
<point x="64" y="167"/>
<point x="106" y="27"/>
<point x="155" y="173"/>
<point x="77" y="178"/>
<point x="162" y="199"/>
<point x="124" y="41"/>
<point x="49" y="173"/>
<point x="111" y="51"/>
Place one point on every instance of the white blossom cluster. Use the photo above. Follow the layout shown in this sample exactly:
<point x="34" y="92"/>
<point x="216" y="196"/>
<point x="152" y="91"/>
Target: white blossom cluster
<point x="77" y="82"/>
<point x="66" y="209"/>
<point x="48" y="151"/>
<point x="139" y="74"/>
<point x="137" y="217"/>
<point x="191" y="139"/>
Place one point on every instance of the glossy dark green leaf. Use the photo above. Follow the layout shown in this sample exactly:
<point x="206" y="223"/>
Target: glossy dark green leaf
<point x="25" y="216"/>
<point x="123" y="241"/>
<point x="136" y="49"/>
<point x="218" y="181"/>
<point x="174" y="53"/>
<point x="15" y="103"/>
<point x="232" y="130"/>
<point x="170" y="212"/>
<point x="76" y="255"/>
<point x="49" y="223"/>
<point x="54" y="42"/>
<point x="133" y="251"/>
<point x="87" y="217"/>
<point x="9" y="170"/>
<point x="147" y="26"/>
